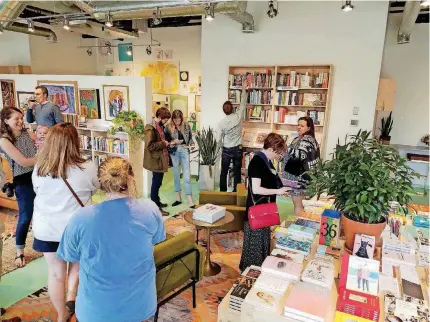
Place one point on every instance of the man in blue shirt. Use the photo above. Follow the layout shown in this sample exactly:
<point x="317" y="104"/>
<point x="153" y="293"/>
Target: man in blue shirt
<point x="114" y="245"/>
<point x="43" y="111"/>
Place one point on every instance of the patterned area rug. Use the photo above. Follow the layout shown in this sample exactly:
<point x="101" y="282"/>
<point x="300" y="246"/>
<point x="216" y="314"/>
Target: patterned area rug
<point x="225" y="250"/>
<point x="10" y="220"/>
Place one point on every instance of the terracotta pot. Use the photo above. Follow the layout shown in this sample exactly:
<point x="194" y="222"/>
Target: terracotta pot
<point x="352" y="227"/>
<point x="385" y="140"/>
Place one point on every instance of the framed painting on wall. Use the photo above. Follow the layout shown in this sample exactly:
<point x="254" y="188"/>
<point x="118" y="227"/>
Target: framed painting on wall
<point x="89" y="103"/>
<point x="116" y="100"/>
<point x="164" y="74"/>
<point x="23" y="98"/>
<point x="179" y="102"/>
<point x="158" y="101"/>
<point x="8" y="92"/>
<point x="197" y="105"/>
<point x="62" y="93"/>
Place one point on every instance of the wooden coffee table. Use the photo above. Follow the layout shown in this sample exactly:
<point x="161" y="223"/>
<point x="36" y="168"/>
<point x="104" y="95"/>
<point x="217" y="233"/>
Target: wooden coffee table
<point x="210" y="269"/>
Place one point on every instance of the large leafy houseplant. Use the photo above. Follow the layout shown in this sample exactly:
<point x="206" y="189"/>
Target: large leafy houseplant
<point x="131" y="123"/>
<point x="208" y="147"/>
<point x="363" y="176"/>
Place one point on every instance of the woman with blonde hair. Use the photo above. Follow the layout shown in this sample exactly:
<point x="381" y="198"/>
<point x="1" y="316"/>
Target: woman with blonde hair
<point x="117" y="279"/>
<point x="179" y="134"/>
<point x="63" y="182"/>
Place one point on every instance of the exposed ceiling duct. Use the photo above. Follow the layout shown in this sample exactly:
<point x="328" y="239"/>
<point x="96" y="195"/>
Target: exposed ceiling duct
<point x="10" y="10"/>
<point x="410" y="14"/>
<point x="38" y="31"/>
<point x="121" y="10"/>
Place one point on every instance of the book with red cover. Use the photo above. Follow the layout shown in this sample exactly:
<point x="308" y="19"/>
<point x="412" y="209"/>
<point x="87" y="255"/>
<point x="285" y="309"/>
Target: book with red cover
<point x="358" y="304"/>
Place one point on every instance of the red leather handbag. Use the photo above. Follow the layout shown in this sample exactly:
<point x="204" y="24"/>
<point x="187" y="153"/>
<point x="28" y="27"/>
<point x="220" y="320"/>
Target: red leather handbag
<point x="263" y="215"/>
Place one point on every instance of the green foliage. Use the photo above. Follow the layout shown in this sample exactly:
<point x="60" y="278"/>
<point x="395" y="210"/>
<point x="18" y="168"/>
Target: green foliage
<point x="363" y="176"/>
<point x="386" y="125"/>
<point x="131" y="123"/>
<point x="208" y="146"/>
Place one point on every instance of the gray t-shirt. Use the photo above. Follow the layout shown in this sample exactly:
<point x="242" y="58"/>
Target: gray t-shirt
<point x="47" y="114"/>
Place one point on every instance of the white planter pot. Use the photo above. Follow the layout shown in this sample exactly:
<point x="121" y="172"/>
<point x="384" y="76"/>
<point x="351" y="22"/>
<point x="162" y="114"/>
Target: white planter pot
<point x="207" y="177"/>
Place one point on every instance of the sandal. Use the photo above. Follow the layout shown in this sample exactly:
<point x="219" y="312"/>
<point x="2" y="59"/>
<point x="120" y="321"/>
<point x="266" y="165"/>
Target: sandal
<point x="22" y="258"/>
<point x="70" y="305"/>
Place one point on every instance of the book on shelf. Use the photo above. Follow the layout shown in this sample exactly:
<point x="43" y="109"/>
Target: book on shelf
<point x="313" y="99"/>
<point x="254" y="79"/>
<point x="259" y="96"/>
<point x="71" y="118"/>
<point x="264" y="299"/>
<point x="98" y="159"/>
<point x="358" y="304"/>
<point x="406" y="310"/>
<point x="307" y="302"/>
<point x="319" y="271"/>
<point x="110" y="145"/>
<point x="317" y="117"/>
<point x="258" y="113"/>
<point x="235" y="81"/>
<point x="302" y="80"/>
<point x="85" y="142"/>
<point x="259" y="139"/>
<point x="364" y="246"/>
<point x="248" y="137"/>
<point x="235" y="96"/>
<point x="281" y="268"/>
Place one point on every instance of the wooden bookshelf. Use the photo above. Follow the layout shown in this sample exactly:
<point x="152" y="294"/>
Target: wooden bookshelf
<point x="294" y="91"/>
<point x="97" y="144"/>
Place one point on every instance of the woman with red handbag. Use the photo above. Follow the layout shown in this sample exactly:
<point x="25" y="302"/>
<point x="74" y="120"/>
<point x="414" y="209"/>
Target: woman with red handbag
<point x="263" y="186"/>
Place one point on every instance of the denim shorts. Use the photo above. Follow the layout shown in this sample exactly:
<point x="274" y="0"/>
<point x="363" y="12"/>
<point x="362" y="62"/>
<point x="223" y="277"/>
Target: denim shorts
<point x="45" y="246"/>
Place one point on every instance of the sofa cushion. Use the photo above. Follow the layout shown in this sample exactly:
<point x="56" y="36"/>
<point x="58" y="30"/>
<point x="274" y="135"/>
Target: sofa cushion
<point x="241" y="195"/>
<point x="217" y="198"/>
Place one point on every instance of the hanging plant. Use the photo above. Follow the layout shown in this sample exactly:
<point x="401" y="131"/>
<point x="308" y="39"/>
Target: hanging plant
<point x="131" y="123"/>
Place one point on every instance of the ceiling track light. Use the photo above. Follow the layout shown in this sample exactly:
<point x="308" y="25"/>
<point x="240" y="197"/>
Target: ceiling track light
<point x="156" y="17"/>
<point x="148" y="50"/>
<point x="129" y="50"/>
<point x="66" y="23"/>
<point x="1" y="29"/>
<point x="347" y="6"/>
<point x="109" y="49"/>
<point x="31" y="25"/>
<point x="272" y="12"/>
<point x="109" y="20"/>
<point x="210" y="12"/>
<point x="424" y="3"/>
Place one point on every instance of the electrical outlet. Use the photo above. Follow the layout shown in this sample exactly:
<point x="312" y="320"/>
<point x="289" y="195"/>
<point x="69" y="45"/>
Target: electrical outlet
<point x="355" y="110"/>
<point x="354" y="122"/>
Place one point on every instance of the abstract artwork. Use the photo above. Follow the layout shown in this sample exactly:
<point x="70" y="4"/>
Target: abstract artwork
<point x="89" y="103"/>
<point x="23" y="98"/>
<point x="158" y="101"/>
<point x="165" y="76"/>
<point x="8" y="92"/>
<point x="116" y="100"/>
<point x="179" y="102"/>
<point x="62" y="93"/>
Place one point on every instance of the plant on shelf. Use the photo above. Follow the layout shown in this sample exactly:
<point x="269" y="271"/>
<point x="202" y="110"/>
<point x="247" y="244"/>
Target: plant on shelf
<point x="363" y="176"/>
<point x="209" y="152"/>
<point x="131" y="123"/>
<point x="386" y="127"/>
<point x="425" y="139"/>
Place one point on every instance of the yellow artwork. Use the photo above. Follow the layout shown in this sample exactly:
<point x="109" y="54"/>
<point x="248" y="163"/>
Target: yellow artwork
<point x="164" y="74"/>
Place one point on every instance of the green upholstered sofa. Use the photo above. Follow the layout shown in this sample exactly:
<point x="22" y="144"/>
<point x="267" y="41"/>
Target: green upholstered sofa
<point x="179" y="264"/>
<point x="235" y="202"/>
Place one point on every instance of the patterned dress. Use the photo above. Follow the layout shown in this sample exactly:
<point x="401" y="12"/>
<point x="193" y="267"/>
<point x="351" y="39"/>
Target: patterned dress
<point x="305" y="151"/>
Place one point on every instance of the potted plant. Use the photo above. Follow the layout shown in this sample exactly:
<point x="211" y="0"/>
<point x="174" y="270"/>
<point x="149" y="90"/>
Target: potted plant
<point x="386" y="127"/>
<point x="131" y="123"/>
<point x="363" y="176"/>
<point x="209" y="151"/>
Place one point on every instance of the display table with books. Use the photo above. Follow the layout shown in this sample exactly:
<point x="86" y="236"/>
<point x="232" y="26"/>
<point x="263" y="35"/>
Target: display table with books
<point x="327" y="284"/>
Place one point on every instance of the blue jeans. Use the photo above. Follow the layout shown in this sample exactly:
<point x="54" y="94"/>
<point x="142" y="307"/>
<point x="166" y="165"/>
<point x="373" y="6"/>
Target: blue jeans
<point x="230" y="154"/>
<point x="25" y="197"/>
<point x="181" y="157"/>
<point x="157" y="181"/>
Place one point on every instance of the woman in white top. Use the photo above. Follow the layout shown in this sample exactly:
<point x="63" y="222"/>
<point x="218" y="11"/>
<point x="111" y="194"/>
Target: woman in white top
<point x="58" y="163"/>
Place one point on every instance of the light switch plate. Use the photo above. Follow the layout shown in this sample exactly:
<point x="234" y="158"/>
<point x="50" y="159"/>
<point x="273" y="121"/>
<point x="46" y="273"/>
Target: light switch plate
<point x="354" y="122"/>
<point x="355" y="110"/>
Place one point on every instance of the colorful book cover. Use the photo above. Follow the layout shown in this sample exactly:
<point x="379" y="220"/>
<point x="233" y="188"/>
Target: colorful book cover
<point x="364" y="246"/>
<point x="300" y="246"/>
<point x="319" y="271"/>
<point x="328" y="250"/>
<point x="359" y="274"/>
<point x="405" y="310"/>
<point x="307" y="223"/>
<point x="288" y="255"/>
<point x="358" y="303"/>
<point x="296" y="230"/>
<point x="329" y="228"/>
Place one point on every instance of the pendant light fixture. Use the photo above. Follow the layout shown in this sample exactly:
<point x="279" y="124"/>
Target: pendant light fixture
<point x="109" y="20"/>
<point x="30" y="25"/>
<point x="66" y="23"/>
<point x="129" y="50"/>
<point x="156" y="17"/>
<point x="347" y="6"/>
<point x="272" y="12"/>
<point x="210" y="12"/>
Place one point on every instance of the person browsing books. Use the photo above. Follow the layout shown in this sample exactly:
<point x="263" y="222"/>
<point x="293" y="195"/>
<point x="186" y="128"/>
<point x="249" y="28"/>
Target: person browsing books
<point x="263" y="186"/>
<point x="302" y="155"/>
<point x="180" y="131"/>
<point x="41" y="110"/>
<point x="230" y="137"/>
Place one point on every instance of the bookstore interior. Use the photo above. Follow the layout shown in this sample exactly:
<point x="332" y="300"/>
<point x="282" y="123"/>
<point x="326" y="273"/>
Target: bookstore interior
<point x="348" y="236"/>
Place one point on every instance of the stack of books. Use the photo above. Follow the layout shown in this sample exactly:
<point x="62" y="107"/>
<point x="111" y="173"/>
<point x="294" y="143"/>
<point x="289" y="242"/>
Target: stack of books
<point x="281" y="268"/>
<point x="242" y="287"/>
<point x="358" y="304"/>
<point x="307" y="303"/>
<point x="397" y="245"/>
<point x="272" y="284"/>
<point x="288" y="255"/>
<point x="298" y="239"/>
<point x="209" y="213"/>
<point x="320" y="271"/>
<point x="263" y="299"/>
<point x="398" y="259"/>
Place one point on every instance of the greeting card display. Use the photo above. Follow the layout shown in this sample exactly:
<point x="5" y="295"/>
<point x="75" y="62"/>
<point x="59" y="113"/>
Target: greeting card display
<point x="364" y="246"/>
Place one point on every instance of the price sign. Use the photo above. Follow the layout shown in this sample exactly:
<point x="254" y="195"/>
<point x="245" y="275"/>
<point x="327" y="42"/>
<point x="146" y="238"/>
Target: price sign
<point x="329" y="229"/>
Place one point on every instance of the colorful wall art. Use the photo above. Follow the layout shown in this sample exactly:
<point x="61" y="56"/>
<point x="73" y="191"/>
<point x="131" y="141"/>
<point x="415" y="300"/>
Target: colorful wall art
<point x="164" y="74"/>
<point x="89" y="103"/>
<point x="23" y="98"/>
<point x="8" y="92"/>
<point x="64" y="94"/>
<point x="116" y="100"/>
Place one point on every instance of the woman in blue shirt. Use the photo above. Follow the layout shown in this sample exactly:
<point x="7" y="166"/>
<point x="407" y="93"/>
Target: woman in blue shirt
<point x="114" y="245"/>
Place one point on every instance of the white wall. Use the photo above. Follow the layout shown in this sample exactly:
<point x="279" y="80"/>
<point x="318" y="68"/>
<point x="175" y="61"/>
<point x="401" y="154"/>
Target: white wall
<point x="139" y="91"/>
<point x="64" y="57"/>
<point x="305" y="33"/>
<point x="14" y="49"/>
<point x="408" y="64"/>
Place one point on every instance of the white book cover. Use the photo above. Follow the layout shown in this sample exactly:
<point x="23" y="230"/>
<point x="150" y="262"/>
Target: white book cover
<point x="288" y="255"/>
<point x="399" y="258"/>
<point x="272" y="283"/>
<point x="319" y="271"/>
<point x="423" y="259"/>
<point x="264" y="299"/>
<point x="389" y="284"/>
